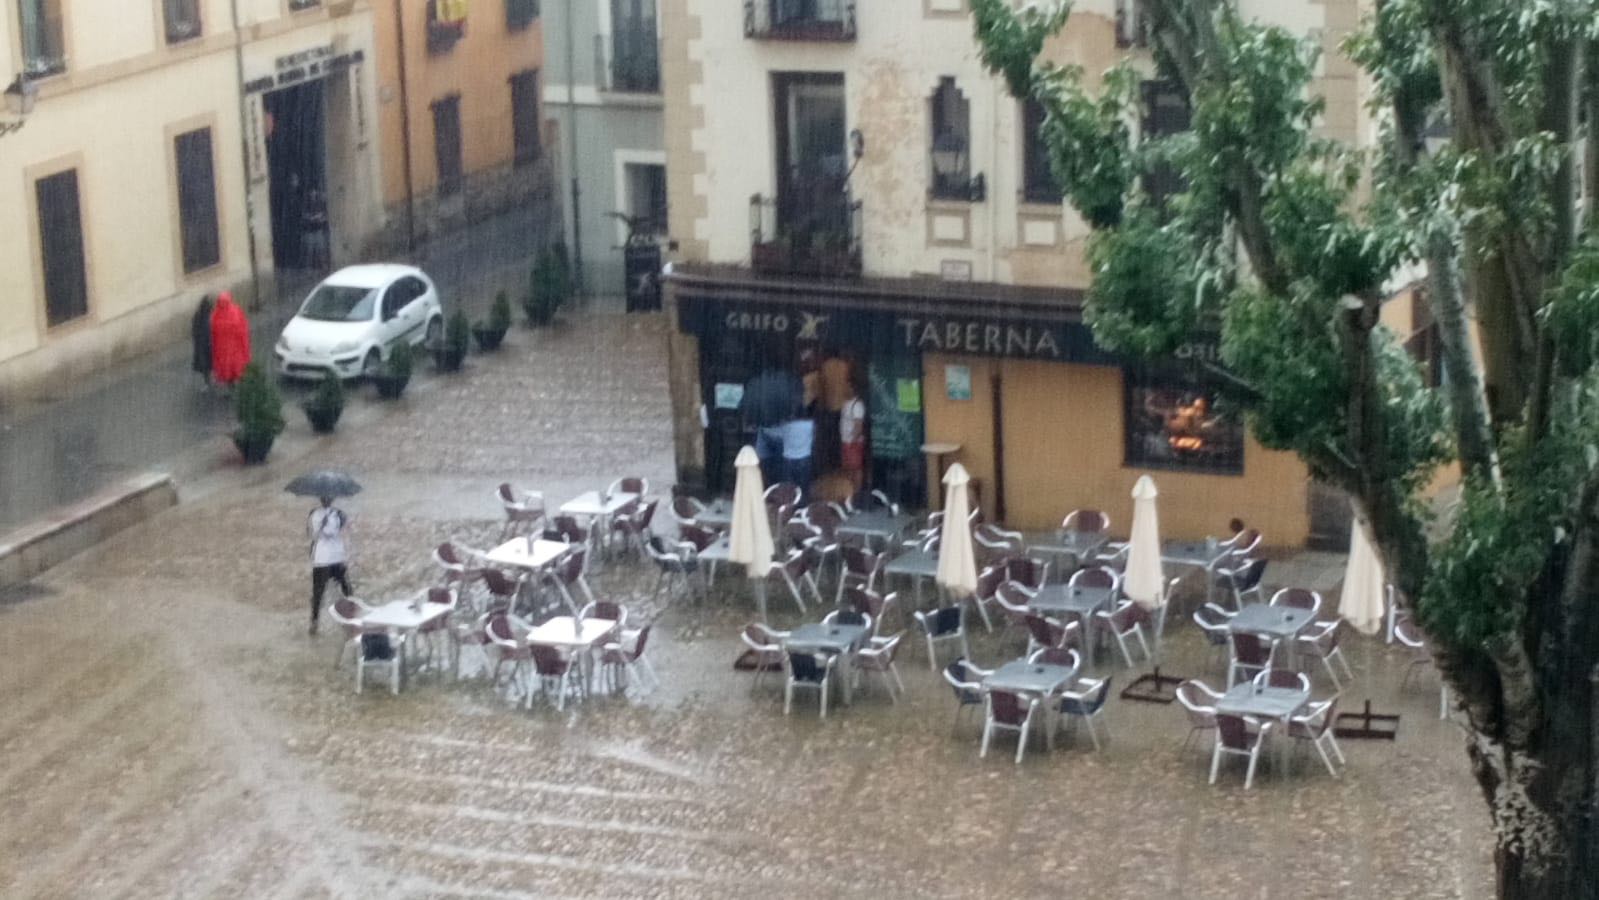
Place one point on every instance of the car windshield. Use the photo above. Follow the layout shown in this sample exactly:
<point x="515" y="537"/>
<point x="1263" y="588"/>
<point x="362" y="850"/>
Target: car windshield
<point x="340" y="303"/>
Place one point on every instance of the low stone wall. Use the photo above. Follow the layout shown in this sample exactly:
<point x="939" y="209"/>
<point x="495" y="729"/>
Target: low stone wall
<point x="33" y="548"/>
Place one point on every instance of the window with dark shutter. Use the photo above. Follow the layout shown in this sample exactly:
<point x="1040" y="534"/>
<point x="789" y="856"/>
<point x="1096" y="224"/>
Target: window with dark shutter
<point x="182" y="19"/>
<point x="197" y="200"/>
<point x="1038" y="182"/>
<point x="43" y="45"/>
<point x="66" y="285"/>
<point x="447" y="143"/>
<point x="950" y="144"/>
<point x="1166" y="113"/>
<point x="525" y="116"/>
<point x="635" y="59"/>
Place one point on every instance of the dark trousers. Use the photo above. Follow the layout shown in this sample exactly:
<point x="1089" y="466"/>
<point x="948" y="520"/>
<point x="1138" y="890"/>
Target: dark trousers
<point x="319" y="583"/>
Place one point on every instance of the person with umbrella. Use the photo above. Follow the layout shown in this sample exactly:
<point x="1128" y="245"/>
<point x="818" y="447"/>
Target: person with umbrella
<point x="327" y="527"/>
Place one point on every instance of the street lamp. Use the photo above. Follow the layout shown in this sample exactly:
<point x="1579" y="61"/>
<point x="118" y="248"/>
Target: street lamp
<point x="949" y="157"/>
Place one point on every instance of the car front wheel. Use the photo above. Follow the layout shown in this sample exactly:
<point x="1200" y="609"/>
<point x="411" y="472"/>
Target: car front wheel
<point x="434" y="338"/>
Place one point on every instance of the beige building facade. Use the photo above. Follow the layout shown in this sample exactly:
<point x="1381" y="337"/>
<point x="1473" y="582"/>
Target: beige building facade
<point x="157" y="161"/>
<point x="940" y="266"/>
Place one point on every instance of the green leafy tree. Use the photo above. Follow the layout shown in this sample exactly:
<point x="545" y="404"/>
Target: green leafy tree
<point x="1277" y="242"/>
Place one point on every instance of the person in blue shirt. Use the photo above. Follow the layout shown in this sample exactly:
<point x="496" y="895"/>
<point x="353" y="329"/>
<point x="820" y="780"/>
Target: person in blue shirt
<point x="799" y="439"/>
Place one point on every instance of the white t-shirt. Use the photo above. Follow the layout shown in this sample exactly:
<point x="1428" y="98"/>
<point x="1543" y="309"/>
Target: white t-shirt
<point x="326" y="530"/>
<point x="851" y="421"/>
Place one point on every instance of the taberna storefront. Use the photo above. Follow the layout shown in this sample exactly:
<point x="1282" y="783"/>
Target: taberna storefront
<point x="1044" y="420"/>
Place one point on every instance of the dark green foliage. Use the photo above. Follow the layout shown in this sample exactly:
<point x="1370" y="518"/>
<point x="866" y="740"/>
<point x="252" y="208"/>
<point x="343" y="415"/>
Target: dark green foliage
<point x="457" y="341"/>
<point x="259" y="408"/>
<point x="326" y="403"/>
<point x="500" y="312"/>
<point x="548" y="288"/>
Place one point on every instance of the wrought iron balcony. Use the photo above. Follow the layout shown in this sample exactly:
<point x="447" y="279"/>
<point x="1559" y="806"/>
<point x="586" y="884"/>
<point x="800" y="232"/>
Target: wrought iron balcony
<point x="808" y="235"/>
<point x="800" y="20"/>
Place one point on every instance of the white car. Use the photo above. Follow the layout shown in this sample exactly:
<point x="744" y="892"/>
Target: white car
<point x="351" y="321"/>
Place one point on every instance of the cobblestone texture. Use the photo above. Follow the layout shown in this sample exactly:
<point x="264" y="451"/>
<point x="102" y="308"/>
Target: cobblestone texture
<point x="170" y="731"/>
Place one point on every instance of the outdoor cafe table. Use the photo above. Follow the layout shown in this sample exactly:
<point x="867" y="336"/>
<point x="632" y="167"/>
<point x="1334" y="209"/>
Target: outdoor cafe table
<point x="1280" y="624"/>
<point x="1044" y="680"/>
<point x="876" y="525"/>
<point x="717" y="515"/>
<point x="1079" y="545"/>
<point x="1061" y="600"/>
<point x="598" y="509"/>
<point x="405" y="616"/>
<point x="1202" y="555"/>
<point x="567" y="633"/>
<point x="839" y="640"/>
<point x="527" y="553"/>
<point x="1265" y="703"/>
<point x="917" y="565"/>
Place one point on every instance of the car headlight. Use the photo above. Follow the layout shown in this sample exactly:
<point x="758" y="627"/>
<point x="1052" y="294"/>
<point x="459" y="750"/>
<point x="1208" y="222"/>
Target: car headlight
<point x="283" y="345"/>
<point x="346" y="347"/>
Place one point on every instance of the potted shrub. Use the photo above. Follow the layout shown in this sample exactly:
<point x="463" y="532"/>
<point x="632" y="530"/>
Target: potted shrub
<point x="396" y="372"/>
<point x="548" y="288"/>
<point x="457" y="340"/>
<point x="489" y="334"/>
<point x="260" y="412"/>
<point x="326" y="404"/>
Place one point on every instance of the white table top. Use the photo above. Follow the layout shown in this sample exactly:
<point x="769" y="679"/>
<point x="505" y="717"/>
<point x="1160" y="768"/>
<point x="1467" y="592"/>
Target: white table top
<point x="563" y="631"/>
<point x="589" y="503"/>
<point x="516" y="552"/>
<point x="399" y="614"/>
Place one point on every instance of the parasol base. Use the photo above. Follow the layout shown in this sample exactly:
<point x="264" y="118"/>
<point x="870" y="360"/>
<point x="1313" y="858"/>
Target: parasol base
<point x="1367" y="725"/>
<point x="1153" y="688"/>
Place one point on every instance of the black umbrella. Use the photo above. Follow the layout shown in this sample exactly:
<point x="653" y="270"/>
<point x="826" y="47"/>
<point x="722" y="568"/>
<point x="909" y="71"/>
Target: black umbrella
<point x="324" y="484"/>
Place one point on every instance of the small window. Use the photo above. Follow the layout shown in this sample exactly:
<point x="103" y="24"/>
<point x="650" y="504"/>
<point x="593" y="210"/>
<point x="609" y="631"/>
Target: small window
<point x="66" y="284"/>
<point x="1175" y="425"/>
<point x="1038" y="182"/>
<point x="298" y="5"/>
<point x="1166" y="113"/>
<point x="414" y="287"/>
<point x="447" y="143"/>
<point x="43" y="45"/>
<point x="646" y="197"/>
<point x="182" y="19"/>
<point x="197" y="200"/>
<point x="635" y="57"/>
<point x="395" y="299"/>
<point x="951" y="143"/>
<point x="525" y="116"/>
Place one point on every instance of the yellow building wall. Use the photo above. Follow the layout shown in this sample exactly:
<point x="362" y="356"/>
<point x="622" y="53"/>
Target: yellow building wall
<point x="1064" y="446"/>
<point x="478" y="68"/>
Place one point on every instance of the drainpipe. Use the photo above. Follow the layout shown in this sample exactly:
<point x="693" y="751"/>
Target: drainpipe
<point x="571" y="153"/>
<point x="993" y="196"/>
<point x="405" y="129"/>
<point x="244" y="156"/>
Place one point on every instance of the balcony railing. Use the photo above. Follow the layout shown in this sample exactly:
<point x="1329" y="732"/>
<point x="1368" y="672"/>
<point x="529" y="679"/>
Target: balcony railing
<point x="446" y="24"/>
<point x="627" y="63"/>
<point x="800" y="20"/>
<point x="806" y="236"/>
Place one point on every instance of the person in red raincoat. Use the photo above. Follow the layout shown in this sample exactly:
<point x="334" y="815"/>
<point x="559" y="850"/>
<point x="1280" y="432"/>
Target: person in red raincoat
<point x="230" y="341"/>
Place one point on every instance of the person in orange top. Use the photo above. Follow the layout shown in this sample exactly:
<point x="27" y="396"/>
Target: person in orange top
<point x="230" y="341"/>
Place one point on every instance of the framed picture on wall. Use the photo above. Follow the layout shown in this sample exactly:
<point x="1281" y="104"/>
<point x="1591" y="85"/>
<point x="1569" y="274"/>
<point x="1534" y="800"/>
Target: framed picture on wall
<point x="958" y="382"/>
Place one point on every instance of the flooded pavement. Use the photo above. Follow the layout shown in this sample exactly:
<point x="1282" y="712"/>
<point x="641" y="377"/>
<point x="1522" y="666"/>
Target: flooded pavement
<point x="170" y="731"/>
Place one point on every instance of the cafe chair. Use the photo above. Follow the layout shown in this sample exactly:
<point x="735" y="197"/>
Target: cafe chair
<point x="1086" y="700"/>
<point x="878" y="658"/>
<point x="1125" y="621"/>
<point x="1199" y="702"/>
<point x="1242" y="580"/>
<point x="966" y="680"/>
<point x="946" y="624"/>
<point x="624" y="660"/>
<point x="1285" y="679"/>
<point x="1009" y="711"/>
<point x="639" y="487"/>
<point x="1321" y="642"/>
<point x="1238" y="736"/>
<point x="1251" y="654"/>
<point x="523" y="510"/>
<point x="1315" y="725"/>
<point x="1086" y="521"/>
<point x="1297" y="598"/>
<point x="807" y="671"/>
<point x="766" y="646"/>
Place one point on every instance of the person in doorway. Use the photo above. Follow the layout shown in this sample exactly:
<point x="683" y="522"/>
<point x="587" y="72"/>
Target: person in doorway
<point x="200" y="335"/>
<point x="328" y="529"/>
<point x="771" y="399"/>
<point x="230" y="341"/>
<point x="852" y="438"/>
<point x="314" y="229"/>
<point x="799" y="440"/>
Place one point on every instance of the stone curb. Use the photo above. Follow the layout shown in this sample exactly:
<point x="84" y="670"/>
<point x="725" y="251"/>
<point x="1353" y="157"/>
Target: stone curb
<point x="45" y="542"/>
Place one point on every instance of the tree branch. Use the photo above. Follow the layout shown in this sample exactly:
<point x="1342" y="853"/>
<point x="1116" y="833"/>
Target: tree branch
<point x="1562" y="85"/>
